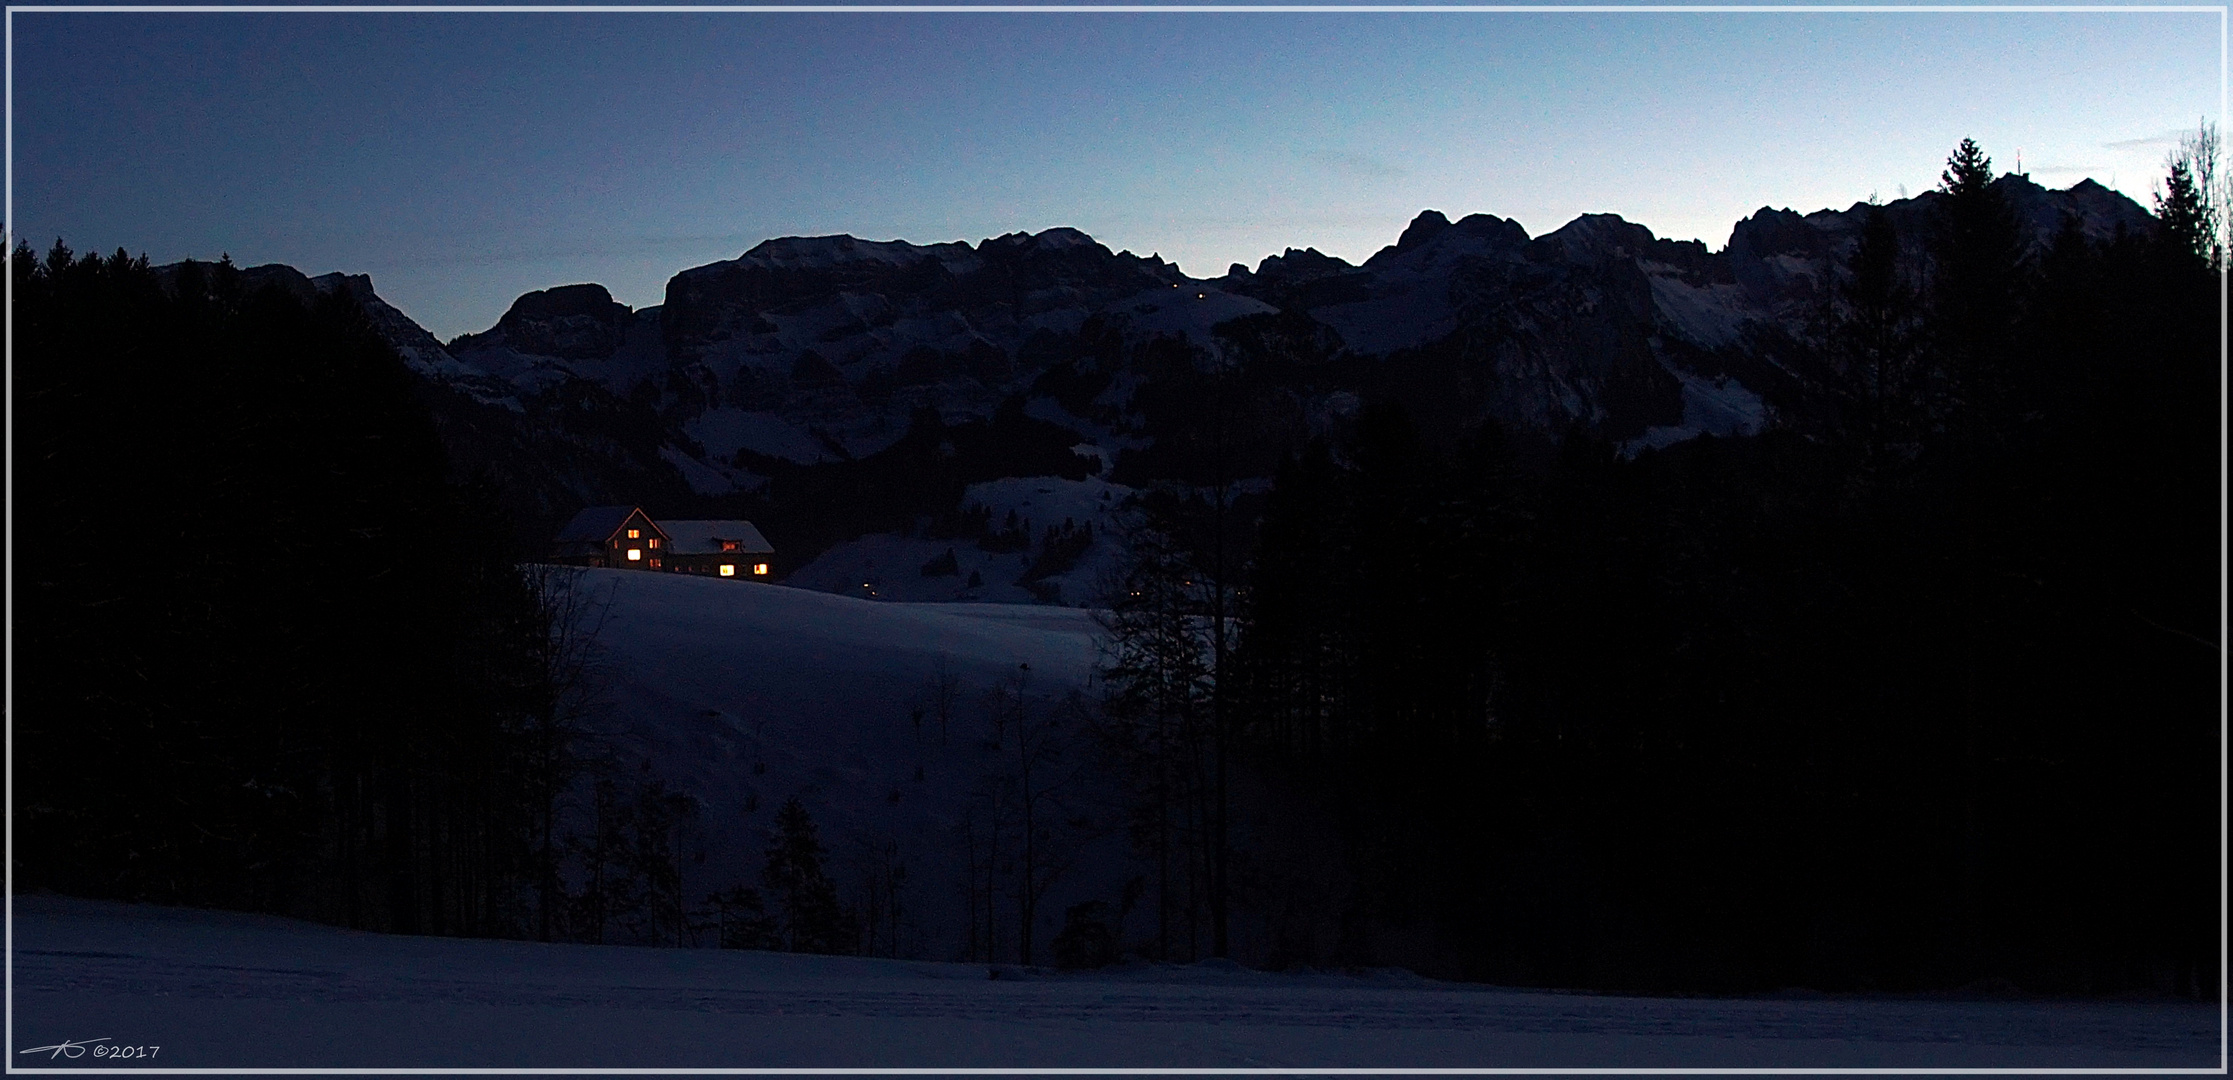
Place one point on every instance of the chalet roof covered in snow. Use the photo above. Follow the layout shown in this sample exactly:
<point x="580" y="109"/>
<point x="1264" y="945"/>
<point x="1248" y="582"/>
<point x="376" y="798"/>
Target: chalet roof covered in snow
<point x="597" y="524"/>
<point x="705" y="537"/>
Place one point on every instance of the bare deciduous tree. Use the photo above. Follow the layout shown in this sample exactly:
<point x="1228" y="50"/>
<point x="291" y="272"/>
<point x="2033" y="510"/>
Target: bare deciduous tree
<point x="2199" y="159"/>
<point x="573" y="680"/>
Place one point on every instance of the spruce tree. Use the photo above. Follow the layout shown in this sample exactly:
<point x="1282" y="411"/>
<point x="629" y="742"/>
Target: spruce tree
<point x="2185" y="212"/>
<point x="1977" y="265"/>
<point x="1872" y="335"/>
<point x="2193" y="203"/>
<point x="813" y="919"/>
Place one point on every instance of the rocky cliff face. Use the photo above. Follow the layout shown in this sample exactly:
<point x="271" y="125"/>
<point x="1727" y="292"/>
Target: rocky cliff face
<point x="1540" y="333"/>
<point x="806" y="348"/>
<point x="570" y="322"/>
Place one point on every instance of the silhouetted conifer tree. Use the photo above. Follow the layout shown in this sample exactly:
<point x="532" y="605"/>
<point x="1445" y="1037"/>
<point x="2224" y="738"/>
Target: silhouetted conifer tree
<point x="1873" y="335"/>
<point x="1976" y="280"/>
<point x="813" y="919"/>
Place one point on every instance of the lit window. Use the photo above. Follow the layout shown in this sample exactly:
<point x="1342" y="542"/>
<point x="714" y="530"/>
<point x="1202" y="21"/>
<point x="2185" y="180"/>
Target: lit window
<point x="732" y="545"/>
<point x="760" y="568"/>
<point x="728" y="569"/>
<point x="653" y="542"/>
<point x="634" y="533"/>
<point x="655" y="564"/>
<point x="634" y="554"/>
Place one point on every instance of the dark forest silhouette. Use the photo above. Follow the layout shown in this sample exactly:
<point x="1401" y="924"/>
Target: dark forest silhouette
<point x="1917" y="693"/>
<point x="274" y="657"/>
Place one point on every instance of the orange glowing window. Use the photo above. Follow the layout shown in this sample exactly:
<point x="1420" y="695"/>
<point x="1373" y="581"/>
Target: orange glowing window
<point x="760" y="568"/>
<point x="728" y="569"/>
<point x="655" y="564"/>
<point x="635" y="533"/>
<point x="732" y="545"/>
<point x="653" y="542"/>
<point x="634" y="554"/>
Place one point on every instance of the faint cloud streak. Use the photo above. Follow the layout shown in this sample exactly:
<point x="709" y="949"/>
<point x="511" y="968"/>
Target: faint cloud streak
<point x="2166" y="141"/>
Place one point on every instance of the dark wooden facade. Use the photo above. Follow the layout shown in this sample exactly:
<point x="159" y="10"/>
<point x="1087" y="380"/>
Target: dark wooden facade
<point x="620" y="537"/>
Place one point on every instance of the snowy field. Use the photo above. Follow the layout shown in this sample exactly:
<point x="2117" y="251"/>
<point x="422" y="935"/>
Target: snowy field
<point x="742" y="695"/>
<point x="887" y="567"/>
<point x="215" y="990"/>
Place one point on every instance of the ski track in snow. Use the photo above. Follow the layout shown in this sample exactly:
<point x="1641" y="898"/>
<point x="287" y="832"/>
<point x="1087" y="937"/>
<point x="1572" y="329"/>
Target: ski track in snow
<point x="223" y="990"/>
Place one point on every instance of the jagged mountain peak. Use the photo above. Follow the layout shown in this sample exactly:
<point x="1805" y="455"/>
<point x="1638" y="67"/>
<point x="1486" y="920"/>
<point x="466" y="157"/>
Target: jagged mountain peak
<point x="417" y="347"/>
<point x="2101" y="212"/>
<point x="358" y="286"/>
<point x="284" y="277"/>
<point x="1432" y="236"/>
<point x="561" y="301"/>
<point x="844" y="249"/>
<point x="570" y="322"/>
<point x="1610" y="233"/>
<point x="2040" y="212"/>
<point x="1297" y="265"/>
<point x="1769" y="232"/>
<point x="1422" y="229"/>
<point x="1059" y="238"/>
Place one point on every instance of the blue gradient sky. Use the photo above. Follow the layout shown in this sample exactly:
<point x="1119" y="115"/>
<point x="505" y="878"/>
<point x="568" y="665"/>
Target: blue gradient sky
<point x="462" y="159"/>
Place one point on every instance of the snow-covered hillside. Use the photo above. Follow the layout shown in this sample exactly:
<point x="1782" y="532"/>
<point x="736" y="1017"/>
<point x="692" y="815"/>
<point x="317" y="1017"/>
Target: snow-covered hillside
<point x="888" y="567"/>
<point x="210" y="990"/>
<point x="874" y="715"/>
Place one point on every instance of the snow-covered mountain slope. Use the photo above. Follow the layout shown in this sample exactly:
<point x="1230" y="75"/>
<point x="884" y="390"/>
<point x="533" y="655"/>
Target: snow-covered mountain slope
<point x="1186" y="310"/>
<point x="885" y="566"/>
<point x="743" y="695"/>
<point x="213" y="990"/>
<point x="571" y="332"/>
<point x="1411" y="301"/>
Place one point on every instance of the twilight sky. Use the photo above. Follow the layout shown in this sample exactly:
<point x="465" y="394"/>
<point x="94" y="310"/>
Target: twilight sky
<point x="462" y="159"/>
